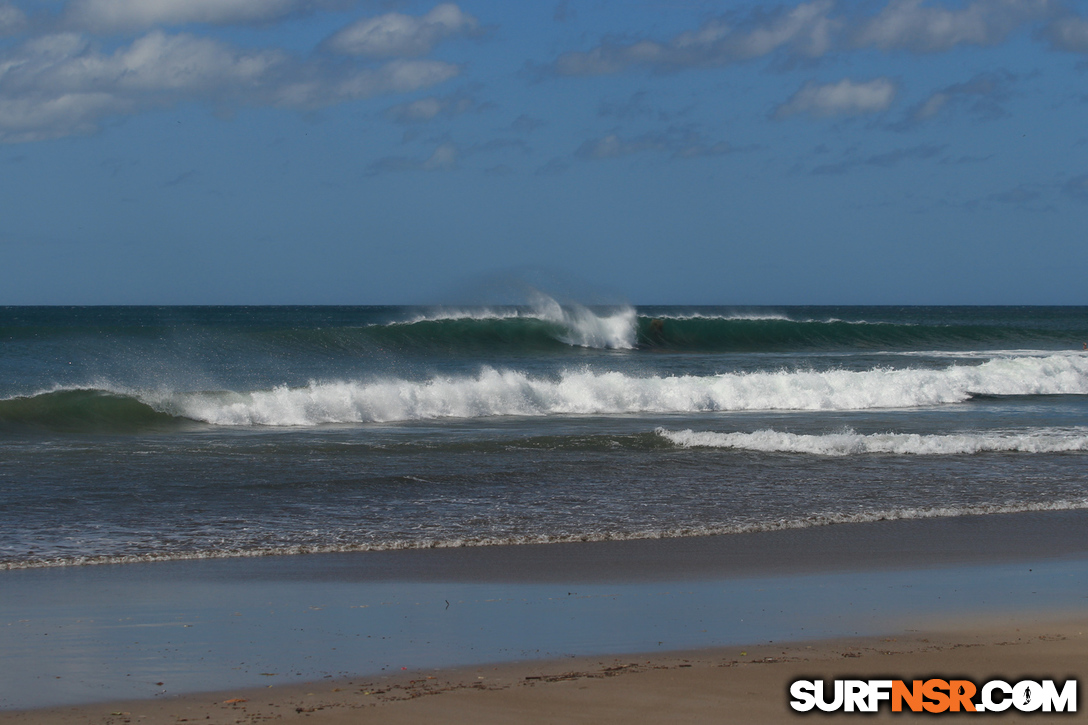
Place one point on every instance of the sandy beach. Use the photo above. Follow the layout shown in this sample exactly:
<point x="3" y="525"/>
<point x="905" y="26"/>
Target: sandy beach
<point x="732" y="684"/>
<point x="697" y="629"/>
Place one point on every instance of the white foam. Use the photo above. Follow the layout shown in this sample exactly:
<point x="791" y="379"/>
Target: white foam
<point x="977" y="354"/>
<point x="513" y="393"/>
<point x="770" y="316"/>
<point x="848" y="443"/>
<point x="463" y="313"/>
<point x="804" y="522"/>
<point x="748" y="316"/>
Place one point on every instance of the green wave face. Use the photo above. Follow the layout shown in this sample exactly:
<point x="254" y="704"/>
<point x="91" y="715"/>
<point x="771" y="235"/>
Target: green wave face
<point x="471" y="335"/>
<point x="784" y="335"/>
<point x="83" y="411"/>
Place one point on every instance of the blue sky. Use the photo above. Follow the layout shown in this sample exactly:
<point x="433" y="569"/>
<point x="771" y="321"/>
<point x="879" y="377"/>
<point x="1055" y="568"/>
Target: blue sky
<point x="354" y="152"/>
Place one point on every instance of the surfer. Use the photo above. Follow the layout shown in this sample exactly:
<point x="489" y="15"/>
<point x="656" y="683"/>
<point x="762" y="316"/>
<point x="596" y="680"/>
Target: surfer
<point x="658" y="326"/>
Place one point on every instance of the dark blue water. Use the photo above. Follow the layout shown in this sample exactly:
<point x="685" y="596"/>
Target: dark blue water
<point x="143" y="433"/>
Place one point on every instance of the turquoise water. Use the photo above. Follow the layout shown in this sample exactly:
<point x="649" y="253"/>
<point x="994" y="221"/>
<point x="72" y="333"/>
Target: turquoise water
<point x="131" y="433"/>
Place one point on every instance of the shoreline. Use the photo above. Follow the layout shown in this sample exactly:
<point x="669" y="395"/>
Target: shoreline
<point x="745" y="682"/>
<point x="123" y="632"/>
<point x="966" y="538"/>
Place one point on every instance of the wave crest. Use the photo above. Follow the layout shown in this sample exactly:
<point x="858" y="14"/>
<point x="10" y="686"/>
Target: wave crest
<point x="83" y="409"/>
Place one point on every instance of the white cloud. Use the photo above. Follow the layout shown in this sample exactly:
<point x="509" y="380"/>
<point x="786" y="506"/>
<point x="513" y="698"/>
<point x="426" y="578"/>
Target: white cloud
<point x="917" y="26"/>
<point x="395" y="35"/>
<point x="1068" y="33"/>
<point x="12" y="19"/>
<point x="53" y="116"/>
<point x="64" y="63"/>
<point x="423" y="109"/>
<point x="444" y="157"/>
<point x="315" y="86"/>
<point x="60" y="84"/>
<point x="110" y="15"/>
<point x="806" y="30"/>
<point x="845" y="98"/>
<point x="426" y="109"/>
<point x="813" y="29"/>
<point x="930" y="107"/>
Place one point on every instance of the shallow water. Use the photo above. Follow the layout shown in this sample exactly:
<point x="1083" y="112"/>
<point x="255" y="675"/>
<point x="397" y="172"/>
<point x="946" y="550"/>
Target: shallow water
<point x="85" y="634"/>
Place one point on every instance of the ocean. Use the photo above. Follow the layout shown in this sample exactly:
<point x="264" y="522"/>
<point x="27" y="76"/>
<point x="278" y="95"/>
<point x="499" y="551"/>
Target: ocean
<point x="133" y="434"/>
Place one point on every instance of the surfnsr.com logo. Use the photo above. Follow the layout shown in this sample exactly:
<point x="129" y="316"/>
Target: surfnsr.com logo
<point x="933" y="695"/>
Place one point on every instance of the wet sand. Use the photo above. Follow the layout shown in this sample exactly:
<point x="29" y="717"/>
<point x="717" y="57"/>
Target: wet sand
<point x="151" y="635"/>
<point x="734" y="684"/>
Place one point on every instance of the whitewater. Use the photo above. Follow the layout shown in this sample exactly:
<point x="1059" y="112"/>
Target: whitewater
<point x="849" y="442"/>
<point x="493" y="393"/>
<point x="147" y="434"/>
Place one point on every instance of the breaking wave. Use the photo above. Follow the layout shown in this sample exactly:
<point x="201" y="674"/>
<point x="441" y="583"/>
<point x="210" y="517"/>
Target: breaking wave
<point x="493" y="392"/>
<point x="544" y="320"/>
<point x="849" y="443"/>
